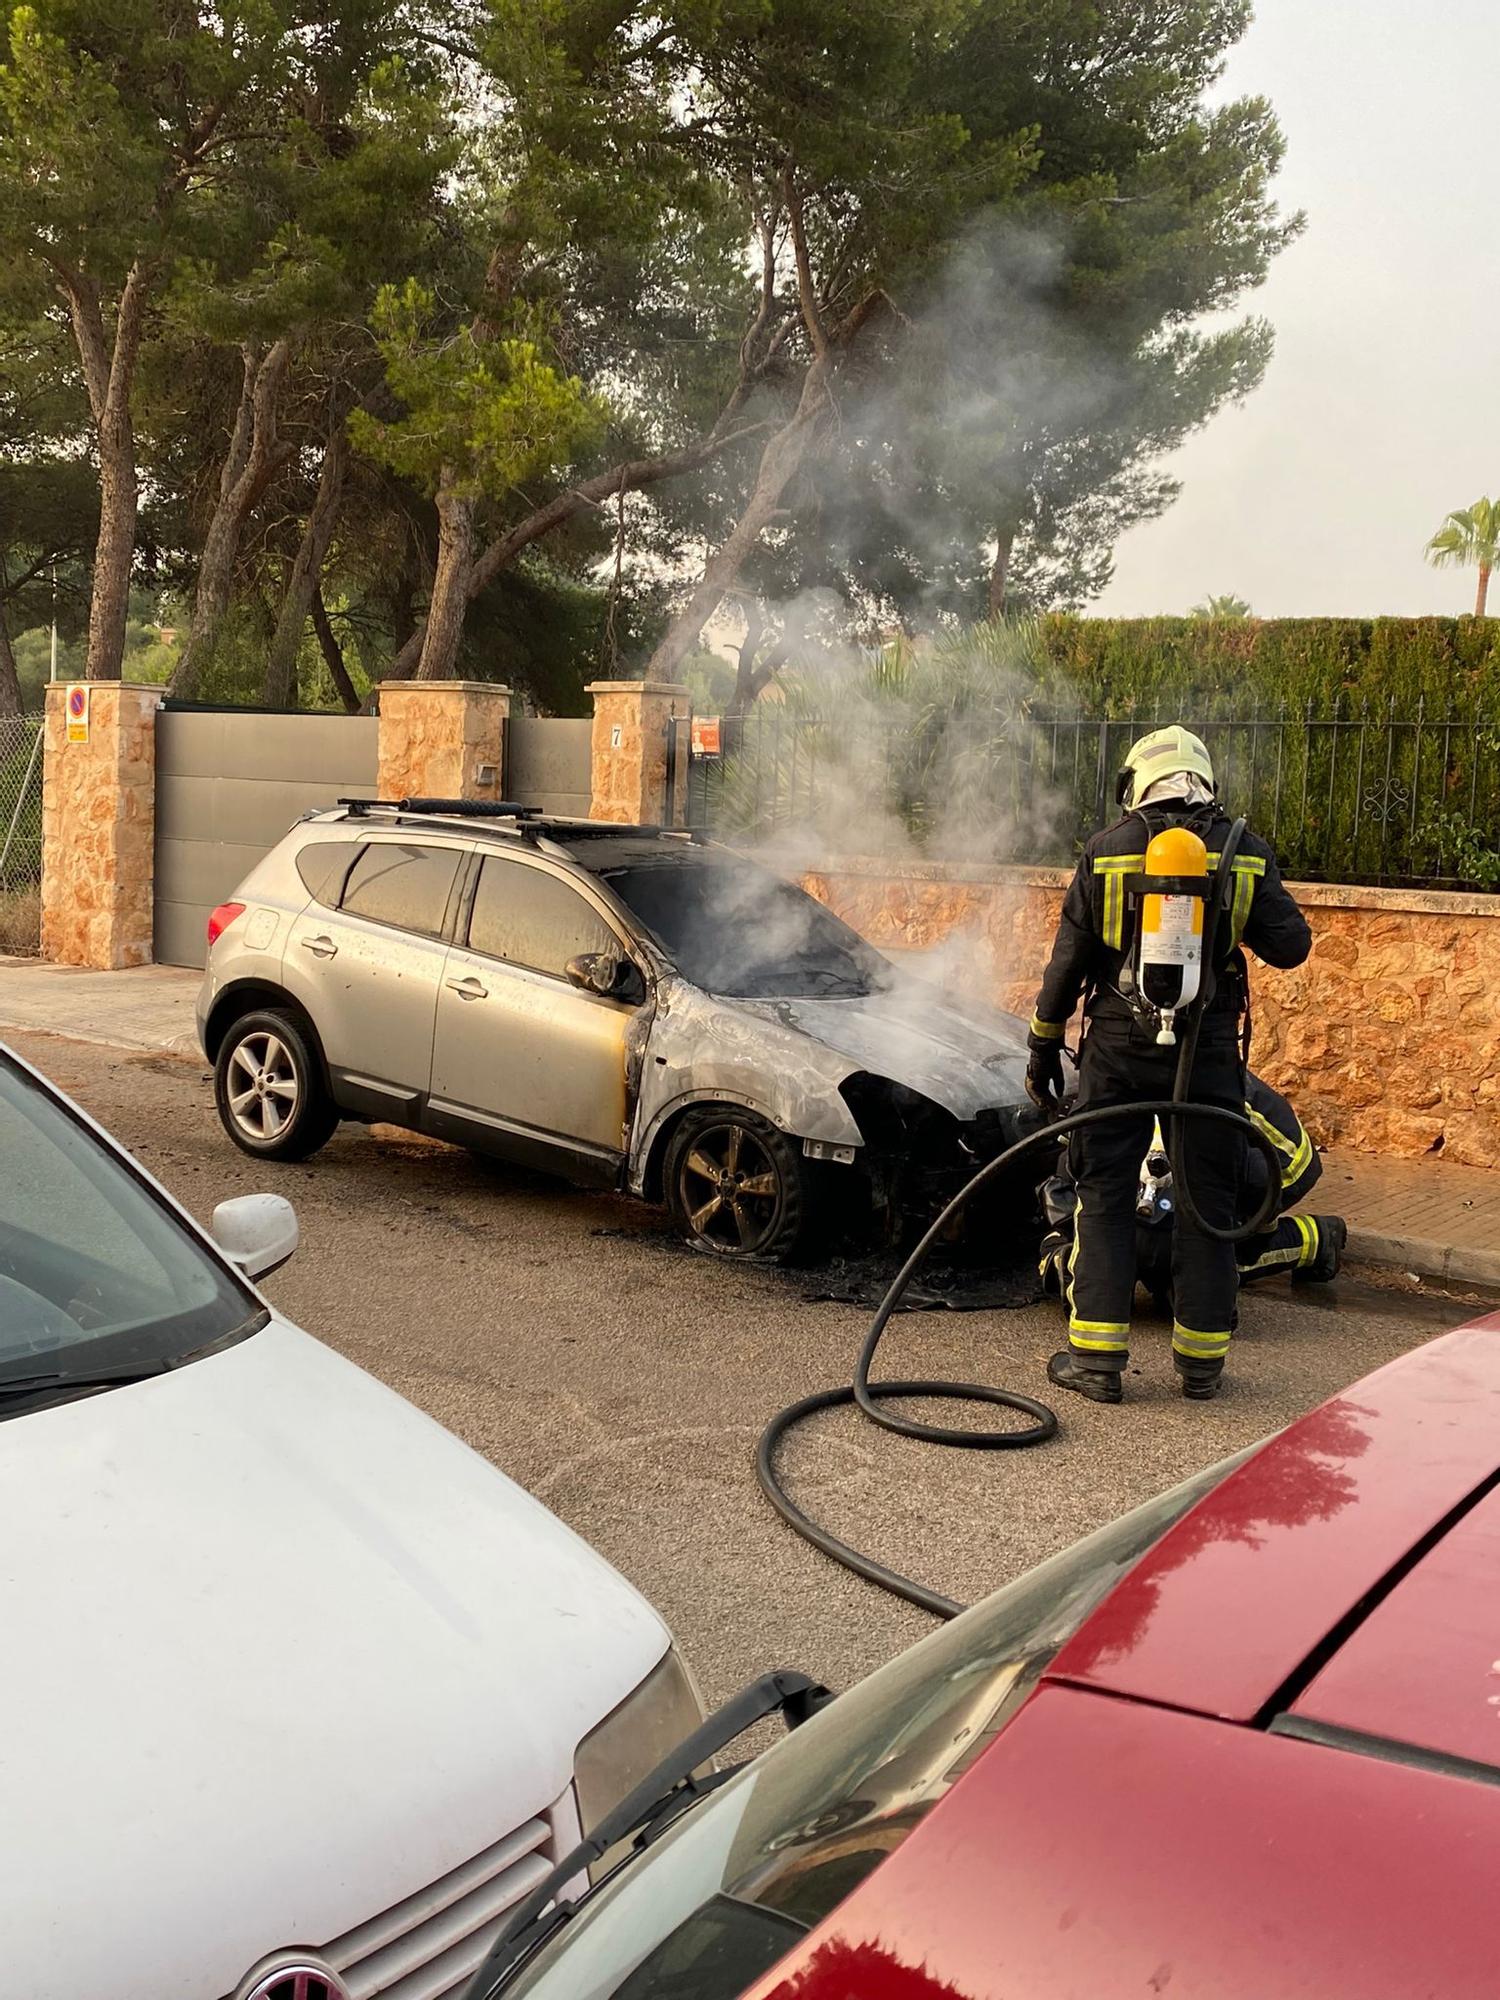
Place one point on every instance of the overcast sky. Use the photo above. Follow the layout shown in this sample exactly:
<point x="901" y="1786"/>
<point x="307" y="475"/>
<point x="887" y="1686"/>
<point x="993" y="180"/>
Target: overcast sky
<point x="1381" y="410"/>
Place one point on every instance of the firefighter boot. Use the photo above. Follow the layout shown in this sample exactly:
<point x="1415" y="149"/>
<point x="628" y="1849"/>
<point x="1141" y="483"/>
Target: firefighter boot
<point x="1200" y="1379"/>
<point x="1333" y="1234"/>
<point x="1100" y="1385"/>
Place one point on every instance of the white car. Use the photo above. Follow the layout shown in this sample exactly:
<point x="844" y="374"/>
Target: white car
<point x="301" y="1695"/>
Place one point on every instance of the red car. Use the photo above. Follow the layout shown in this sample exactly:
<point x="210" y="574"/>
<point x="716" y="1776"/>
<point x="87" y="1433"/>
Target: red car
<point x="1242" y="1743"/>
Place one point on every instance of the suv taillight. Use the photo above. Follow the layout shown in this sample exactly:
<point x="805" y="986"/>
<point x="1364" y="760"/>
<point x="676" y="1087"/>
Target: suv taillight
<point x="220" y="920"/>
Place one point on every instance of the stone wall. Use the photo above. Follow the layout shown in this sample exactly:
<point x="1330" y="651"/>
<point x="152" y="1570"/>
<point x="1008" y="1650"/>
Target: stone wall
<point x="99" y="827"/>
<point x="1387" y="1039"/>
<point x="629" y="751"/>
<point x="441" y="739"/>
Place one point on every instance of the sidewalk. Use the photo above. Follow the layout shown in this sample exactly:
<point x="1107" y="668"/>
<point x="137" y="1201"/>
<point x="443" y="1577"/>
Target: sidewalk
<point x="150" y="1008"/>
<point x="1426" y="1216"/>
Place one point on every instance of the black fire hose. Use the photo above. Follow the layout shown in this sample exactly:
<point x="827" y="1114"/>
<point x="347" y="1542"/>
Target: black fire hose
<point x="869" y="1395"/>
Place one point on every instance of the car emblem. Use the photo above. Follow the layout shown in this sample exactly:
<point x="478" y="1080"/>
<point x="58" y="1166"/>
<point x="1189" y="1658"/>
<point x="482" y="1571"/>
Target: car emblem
<point x="298" y="1978"/>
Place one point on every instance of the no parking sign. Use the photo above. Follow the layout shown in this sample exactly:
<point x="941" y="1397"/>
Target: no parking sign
<point x="78" y="712"/>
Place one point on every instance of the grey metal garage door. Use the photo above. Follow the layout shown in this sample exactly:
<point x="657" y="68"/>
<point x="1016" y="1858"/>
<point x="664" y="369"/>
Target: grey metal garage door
<point x="228" y="785"/>
<point x="547" y="763"/>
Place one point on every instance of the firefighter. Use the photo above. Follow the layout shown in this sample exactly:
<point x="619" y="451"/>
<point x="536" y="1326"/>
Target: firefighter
<point x="1168" y="780"/>
<point x="1310" y="1248"/>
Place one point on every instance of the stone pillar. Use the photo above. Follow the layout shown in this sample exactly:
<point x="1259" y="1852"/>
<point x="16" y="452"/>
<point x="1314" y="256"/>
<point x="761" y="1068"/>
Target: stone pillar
<point x="99" y="826"/>
<point x="629" y="752"/>
<point x="442" y="739"/>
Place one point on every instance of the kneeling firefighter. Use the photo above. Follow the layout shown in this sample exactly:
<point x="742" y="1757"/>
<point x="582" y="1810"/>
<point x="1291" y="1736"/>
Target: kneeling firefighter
<point x="1306" y="1248"/>
<point x="1129" y="1056"/>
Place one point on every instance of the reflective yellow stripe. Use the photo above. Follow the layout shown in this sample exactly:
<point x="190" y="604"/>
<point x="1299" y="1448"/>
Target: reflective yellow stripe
<point x="1098" y="1326"/>
<point x="1276" y="1260"/>
<point x="1244" y="894"/>
<point x="1097" y="1346"/>
<point x="1307" y="1229"/>
<point x="1199" y="1346"/>
<point x="1114" y="868"/>
<point x="1298" y="1152"/>
<point x="1046" y="1031"/>
<point x="1255" y="863"/>
<point x="1277" y="1137"/>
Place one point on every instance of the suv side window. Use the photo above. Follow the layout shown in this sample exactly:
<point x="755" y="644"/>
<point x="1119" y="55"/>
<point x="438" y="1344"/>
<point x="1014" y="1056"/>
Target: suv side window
<point x="403" y="883"/>
<point x="531" y="918"/>
<point x="323" y="864"/>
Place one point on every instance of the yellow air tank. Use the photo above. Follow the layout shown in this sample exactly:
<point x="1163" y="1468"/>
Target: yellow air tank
<point x="1169" y="972"/>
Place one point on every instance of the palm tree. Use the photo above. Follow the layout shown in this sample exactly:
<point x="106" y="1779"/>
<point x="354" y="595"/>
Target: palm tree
<point x="1221" y="607"/>
<point x="1470" y="538"/>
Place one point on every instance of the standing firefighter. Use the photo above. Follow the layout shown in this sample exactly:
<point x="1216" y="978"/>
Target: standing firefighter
<point x="1168" y="781"/>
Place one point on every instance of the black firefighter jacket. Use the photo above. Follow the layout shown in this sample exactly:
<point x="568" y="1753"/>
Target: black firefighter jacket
<point x="1096" y="934"/>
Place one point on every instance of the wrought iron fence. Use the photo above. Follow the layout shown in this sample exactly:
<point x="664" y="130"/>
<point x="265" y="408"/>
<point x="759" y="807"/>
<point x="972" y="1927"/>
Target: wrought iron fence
<point x="1352" y="793"/>
<point x="20" y="801"/>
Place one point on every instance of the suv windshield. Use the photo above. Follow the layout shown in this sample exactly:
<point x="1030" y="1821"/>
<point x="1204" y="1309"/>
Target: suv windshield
<point x="95" y="1273"/>
<point x="743" y="933"/>
<point x="729" y="1890"/>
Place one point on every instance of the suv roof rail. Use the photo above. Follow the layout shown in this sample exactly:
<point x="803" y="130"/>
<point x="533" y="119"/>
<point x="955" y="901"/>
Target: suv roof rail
<point x="450" y="808"/>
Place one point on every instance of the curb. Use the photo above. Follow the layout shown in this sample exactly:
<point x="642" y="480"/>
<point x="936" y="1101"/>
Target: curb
<point x="1425" y="1257"/>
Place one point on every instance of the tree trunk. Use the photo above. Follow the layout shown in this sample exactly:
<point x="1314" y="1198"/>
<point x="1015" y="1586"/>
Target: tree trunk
<point x="333" y="654"/>
<point x="280" y="685"/>
<point x="114" y="552"/>
<point x="10" y="680"/>
<point x="632" y="476"/>
<point x="1000" y="571"/>
<point x="250" y="464"/>
<point x="779" y="464"/>
<point x="1481" y="601"/>
<point x="450" y="583"/>
<point x="109" y="377"/>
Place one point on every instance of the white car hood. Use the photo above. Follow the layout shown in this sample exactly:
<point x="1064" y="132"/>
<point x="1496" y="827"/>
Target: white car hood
<point x="277" y="1651"/>
<point x="910" y="1034"/>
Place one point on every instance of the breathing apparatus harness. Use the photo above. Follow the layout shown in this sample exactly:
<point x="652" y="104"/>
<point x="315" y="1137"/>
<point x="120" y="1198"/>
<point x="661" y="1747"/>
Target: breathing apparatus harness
<point x="1181" y="905"/>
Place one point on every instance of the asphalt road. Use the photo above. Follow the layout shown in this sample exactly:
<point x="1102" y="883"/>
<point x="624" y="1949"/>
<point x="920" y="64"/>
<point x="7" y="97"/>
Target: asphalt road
<point x="624" y="1380"/>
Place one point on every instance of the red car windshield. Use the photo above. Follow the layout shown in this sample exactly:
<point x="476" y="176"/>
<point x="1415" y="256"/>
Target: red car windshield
<point x="707" y="1909"/>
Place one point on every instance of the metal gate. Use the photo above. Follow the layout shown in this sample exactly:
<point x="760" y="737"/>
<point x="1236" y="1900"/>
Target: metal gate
<point x="547" y="763"/>
<point x="228" y="785"/>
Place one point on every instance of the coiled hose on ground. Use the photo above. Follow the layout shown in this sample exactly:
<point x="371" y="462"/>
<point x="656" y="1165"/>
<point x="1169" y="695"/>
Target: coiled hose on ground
<point x="868" y="1395"/>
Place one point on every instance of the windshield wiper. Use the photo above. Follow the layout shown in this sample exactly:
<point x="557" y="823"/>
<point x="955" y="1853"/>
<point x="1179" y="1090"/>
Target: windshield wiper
<point x="82" y="1378"/>
<point x="655" y="1804"/>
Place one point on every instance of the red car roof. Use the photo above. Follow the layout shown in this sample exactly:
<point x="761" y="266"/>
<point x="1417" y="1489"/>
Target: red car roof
<point x="1245" y="1590"/>
<point x="1424" y="1668"/>
<point x="1107" y="1850"/>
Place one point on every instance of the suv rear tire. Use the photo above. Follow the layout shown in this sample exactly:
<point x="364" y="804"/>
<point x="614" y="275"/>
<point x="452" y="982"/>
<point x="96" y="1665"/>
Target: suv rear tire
<point x="268" y="1086"/>
<point x="737" y="1186"/>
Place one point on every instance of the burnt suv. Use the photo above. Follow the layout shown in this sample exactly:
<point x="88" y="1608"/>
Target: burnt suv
<point x="630" y="1007"/>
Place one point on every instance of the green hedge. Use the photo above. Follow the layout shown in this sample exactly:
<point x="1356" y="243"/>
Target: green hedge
<point x="1125" y="663"/>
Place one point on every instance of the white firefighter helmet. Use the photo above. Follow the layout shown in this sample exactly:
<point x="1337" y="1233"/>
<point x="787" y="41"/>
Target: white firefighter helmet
<point x="1160" y="755"/>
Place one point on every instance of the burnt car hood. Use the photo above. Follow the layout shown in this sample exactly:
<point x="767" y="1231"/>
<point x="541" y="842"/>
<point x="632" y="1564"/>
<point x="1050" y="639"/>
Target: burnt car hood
<point x="967" y="1061"/>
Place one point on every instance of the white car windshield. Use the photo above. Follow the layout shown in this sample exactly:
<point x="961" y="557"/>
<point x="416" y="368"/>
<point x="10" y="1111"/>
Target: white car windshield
<point x="95" y="1271"/>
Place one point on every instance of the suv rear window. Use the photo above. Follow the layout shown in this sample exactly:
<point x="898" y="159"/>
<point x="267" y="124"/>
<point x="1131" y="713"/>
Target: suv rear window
<point x="323" y="864"/>
<point x="531" y="918"/>
<point x="403" y="883"/>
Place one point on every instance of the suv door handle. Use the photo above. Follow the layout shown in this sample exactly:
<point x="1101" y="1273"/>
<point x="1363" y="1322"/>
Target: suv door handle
<point x="469" y="989"/>
<point x="320" y="946"/>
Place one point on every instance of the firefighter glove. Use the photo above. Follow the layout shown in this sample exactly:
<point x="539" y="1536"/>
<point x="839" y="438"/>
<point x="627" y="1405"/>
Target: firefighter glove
<point x="1044" y="1078"/>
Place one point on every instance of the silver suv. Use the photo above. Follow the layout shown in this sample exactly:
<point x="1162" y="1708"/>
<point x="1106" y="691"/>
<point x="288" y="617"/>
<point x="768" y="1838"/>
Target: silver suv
<point x="626" y="1006"/>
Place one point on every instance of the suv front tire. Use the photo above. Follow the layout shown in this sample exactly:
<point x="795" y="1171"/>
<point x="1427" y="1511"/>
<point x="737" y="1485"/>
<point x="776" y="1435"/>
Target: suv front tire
<point x="269" y="1089"/>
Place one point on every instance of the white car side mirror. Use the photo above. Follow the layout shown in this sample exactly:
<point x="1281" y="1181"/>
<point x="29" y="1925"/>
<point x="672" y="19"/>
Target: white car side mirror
<point x="256" y="1232"/>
